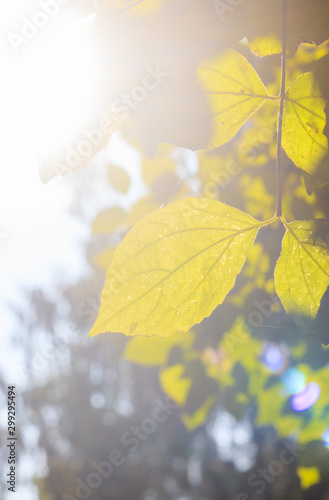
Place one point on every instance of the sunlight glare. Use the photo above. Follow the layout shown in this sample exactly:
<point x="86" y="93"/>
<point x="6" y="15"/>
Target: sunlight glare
<point x="66" y="90"/>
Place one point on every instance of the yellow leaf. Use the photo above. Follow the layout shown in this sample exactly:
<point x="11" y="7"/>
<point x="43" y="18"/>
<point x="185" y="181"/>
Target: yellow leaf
<point x="306" y="21"/>
<point x="118" y="178"/>
<point x="235" y="92"/>
<point x="174" y="384"/>
<point x="266" y="45"/>
<point x="303" y="122"/>
<point x="200" y="416"/>
<point x="308" y="476"/>
<point x="268" y="413"/>
<point x="302" y="271"/>
<point x="174" y="267"/>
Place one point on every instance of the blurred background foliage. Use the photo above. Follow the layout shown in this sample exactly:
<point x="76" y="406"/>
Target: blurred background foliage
<point x="245" y="380"/>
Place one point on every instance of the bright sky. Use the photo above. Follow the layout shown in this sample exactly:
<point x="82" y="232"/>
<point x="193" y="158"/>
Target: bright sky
<point x="42" y="97"/>
<point x="44" y="92"/>
<point x="46" y="98"/>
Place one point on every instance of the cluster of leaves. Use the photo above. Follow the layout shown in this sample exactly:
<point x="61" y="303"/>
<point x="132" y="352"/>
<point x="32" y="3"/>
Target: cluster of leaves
<point x="222" y="360"/>
<point x="179" y="262"/>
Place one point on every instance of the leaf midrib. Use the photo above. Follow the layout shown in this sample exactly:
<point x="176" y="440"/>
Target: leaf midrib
<point x="287" y="226"/>
<point x="183" y="264"/>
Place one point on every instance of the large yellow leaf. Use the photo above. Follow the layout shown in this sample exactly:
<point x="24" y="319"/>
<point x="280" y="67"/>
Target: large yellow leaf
<point x="303" y="122"/>
<point x="235" y="92"/>
<point x="174" y="267"/>
<point x="302" y="271"/>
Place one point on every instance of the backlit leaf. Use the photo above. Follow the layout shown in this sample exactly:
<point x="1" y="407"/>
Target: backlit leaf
<point x="302" y="271"/>
<point x="303" y="122"/>
<point x="174" y="267"/>
<point x="306" y="21"/>
<point x="266" y="45"/>
<point x="235" y="92"/>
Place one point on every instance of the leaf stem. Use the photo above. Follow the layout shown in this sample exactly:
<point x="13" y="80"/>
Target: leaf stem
<point x="282" y="99"/>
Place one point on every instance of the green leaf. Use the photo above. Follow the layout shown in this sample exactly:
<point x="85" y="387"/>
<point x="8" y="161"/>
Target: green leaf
<point x="155" y="351"/>
<point x="174" y="267"/>
<point x="303" y="122"/>
<point x="302" y="271"/>
<point x="235" y="92"/>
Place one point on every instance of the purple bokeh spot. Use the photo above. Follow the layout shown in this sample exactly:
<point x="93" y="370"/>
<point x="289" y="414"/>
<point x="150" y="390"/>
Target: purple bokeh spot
<point x="307" y="398"/>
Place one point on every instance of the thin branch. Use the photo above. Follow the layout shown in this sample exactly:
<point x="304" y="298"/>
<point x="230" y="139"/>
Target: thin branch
<point x="282" y="99"/>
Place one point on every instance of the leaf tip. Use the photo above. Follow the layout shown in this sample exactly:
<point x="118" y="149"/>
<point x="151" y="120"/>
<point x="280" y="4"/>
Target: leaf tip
<point x="96" y="329"/>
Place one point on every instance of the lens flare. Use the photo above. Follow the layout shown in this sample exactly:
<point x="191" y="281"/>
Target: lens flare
<point x="272" y="357"/>
<point x="294" y="381"/>
<point x="307" y="398"/>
